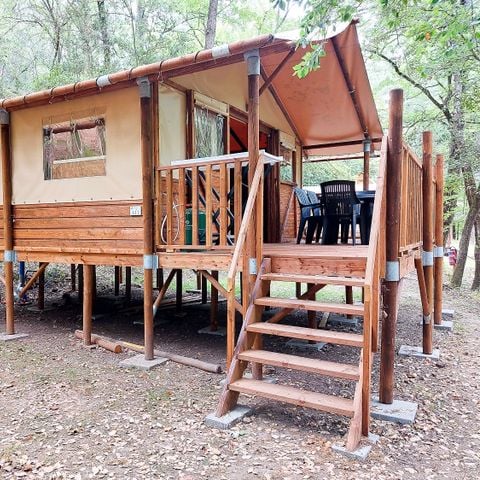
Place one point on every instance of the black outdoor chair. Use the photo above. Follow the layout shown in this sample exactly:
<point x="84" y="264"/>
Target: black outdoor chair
<point x="341" y="208"/>
<point x="310" y="215"/>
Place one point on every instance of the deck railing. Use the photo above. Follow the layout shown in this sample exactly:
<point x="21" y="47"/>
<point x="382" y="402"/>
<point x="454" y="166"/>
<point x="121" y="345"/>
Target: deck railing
<point x="374" y="272"/>
<point x="411" y="205"/>
<point x="200" y="203"/>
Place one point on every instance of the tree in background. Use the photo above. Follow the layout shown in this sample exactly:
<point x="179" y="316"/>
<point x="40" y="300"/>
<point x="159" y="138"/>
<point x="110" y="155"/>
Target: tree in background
<point x="433" y="47"/>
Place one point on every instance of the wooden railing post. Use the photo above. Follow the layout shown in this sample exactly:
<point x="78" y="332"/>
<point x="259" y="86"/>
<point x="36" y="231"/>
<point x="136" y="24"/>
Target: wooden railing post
<point x="9" y="255"/>
<point x="147" y="211"/>
<point x="427" y="252"/>
<point x="392" y="274"/>
<point x="438" y="250"/>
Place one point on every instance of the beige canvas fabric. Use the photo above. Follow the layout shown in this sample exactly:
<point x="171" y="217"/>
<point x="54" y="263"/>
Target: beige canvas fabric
<point x="123" y="180"/>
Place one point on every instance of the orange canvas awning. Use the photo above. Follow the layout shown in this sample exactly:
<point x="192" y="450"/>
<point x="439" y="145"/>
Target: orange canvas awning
<point x="331" y="105"/>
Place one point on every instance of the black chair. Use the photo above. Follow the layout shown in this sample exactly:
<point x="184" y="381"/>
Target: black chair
<point x="341" y="208"/>
<point x="310" y="214"/>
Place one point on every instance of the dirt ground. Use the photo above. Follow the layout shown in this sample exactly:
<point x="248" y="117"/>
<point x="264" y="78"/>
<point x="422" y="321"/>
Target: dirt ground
<point x="68" y="412"/>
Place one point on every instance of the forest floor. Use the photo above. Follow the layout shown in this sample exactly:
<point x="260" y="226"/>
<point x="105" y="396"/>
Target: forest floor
<point x="70" y="412"/>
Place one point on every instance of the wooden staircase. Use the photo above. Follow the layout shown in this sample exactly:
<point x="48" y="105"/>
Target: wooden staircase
<point x="249" y="349"/>
<point x="317" y="266"/>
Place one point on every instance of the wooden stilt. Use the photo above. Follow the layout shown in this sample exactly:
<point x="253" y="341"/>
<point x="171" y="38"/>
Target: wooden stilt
<point x="427" y="333"/>
<point x="41" y="289"/>
<point x="7" y="220"/>
<point x="80" y="283"/>
<point x="204" y="286"/>
<point x="159" y="278"/>
<point x="179" y="289"/>
<point x="94" y="283"/>
<point x="128" y="284"/>
<point x="145" y="92"/>
<point x="428" y="238"/>
<point x="349" y="297"/>
<point x="214" y="304"/>
<point x="87" y="303"/>
<point x="117" y="281"/>
<point x="393" y="194"/>
<point x="438" y="293"/>
<point x="73" y="276"/>
<point x="366" y="164"/>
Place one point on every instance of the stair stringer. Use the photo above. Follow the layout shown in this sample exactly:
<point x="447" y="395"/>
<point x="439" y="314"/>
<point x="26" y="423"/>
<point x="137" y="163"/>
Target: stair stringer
<point x="229" y="398"/>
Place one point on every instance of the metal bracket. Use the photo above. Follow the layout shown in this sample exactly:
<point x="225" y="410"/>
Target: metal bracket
<point x="103" y="81"/>
<point x="150" y="262"/>
<point x="438" y="252"/>
<point x="4" y="117"/>
<point x="9" y="256"/>
<point x="144" y="87"/>
<point x="252" y="266"/>
<point x="427" y="258"/>
<point x="253" y="62"/>
<point x="367" y="143"/>
<point x="221" y="51"/>
<point x="392" y="271"/>
<point x="427" y="319"/>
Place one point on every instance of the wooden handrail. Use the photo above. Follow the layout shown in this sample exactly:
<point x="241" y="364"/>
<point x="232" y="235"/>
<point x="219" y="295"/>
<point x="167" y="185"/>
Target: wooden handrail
<point x="376" y="216"/>
<point x="247" y="216"/>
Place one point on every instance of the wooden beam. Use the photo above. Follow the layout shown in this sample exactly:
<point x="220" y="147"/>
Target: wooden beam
<point x="280" y="104"/>
<point x="147" y="209"/>
<point x="428" y="233"/>
<point x="333" y="159"/>
<point x="345" y="143"/>
<point x="7" y="219"/>
<point x="392" y="232"/>
<point x="437" y="310"/>
<point x="350" y="87"/>
<point x="277" y="70"/>
<point x="32" y="280"/>
<point x="41" y="290"/>
<point x="87" y="303"/>
<point x="128" y="284"/>
<point x="213" y="279"/>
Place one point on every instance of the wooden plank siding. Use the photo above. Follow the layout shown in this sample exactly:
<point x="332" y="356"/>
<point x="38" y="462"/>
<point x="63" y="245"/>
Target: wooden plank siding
<point x="289" y="212"/>
<point x="60" y="231"/>
<point x="2" y="246"/>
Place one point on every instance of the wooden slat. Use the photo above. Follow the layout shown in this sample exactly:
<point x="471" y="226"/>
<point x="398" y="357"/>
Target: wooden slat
<point x="80" y="234"/>
<point x="310" y="305"/>
<point x="195" y="205"/>
<point x="169" y="205"/>
<point x="80" y="222"/>
<point x="312" y="365"/>
<point x="181" y="206"/>
<point x="295" y="396"/>
<point x="327" y="336"/>
<point x="237" y="197"/>
<point x="223" y="204"/>
<point x="315" y="279"/>
<point x="208" y="205"/>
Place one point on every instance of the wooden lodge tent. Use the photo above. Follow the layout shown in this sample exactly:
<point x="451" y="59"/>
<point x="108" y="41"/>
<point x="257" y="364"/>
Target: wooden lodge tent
<point x="110" y="171"/>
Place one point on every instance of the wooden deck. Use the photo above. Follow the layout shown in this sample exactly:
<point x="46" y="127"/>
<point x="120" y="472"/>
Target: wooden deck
<point x="285" y="257"/>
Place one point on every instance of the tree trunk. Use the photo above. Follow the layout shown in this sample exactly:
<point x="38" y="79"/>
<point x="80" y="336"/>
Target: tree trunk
<point x="102" y="20"/>
<point x="472" y="214"/>
<point x="211" y="27"/>
<point x="476" y="276"/>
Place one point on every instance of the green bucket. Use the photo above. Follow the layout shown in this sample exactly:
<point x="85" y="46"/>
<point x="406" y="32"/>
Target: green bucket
<point x="201" y="219"/>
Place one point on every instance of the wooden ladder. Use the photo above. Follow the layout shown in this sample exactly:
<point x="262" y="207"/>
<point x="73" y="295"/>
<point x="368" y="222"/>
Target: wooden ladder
<point x="249" y="351"/>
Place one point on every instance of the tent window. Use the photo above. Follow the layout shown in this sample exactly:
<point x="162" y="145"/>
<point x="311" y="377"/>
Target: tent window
<point x="210" y="129"/>
<point x="74" y="149"/>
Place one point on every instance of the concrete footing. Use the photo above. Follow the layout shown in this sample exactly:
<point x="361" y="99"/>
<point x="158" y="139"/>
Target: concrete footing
<point x="229" y="419"/>
<point x="342" y="321"/>
<point x="410" y="351"/>
<point x="305" y="345"/>
<point x="265" y="378"/>
<point x="399" y="411"/>
<point x="219" y="332"/>
<point x="139" y="362"/>
<point x="8" y="338"/>
<point x="448" y="313"/>
<point x="445" y="326"/>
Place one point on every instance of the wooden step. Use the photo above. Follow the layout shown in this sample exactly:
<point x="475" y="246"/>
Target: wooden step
<point x="298" y="304"/>
<point x="295" y="396"/>
<point x="320" y="367"/>
<point x="327" y="336"/>
<point x="314" y="279"/>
